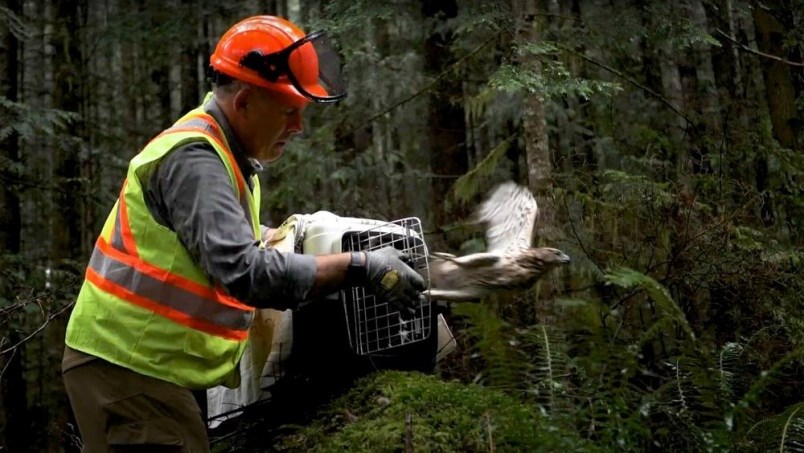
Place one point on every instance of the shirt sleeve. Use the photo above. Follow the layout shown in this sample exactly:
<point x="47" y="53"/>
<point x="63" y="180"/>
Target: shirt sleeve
<point x="191" y="193"/>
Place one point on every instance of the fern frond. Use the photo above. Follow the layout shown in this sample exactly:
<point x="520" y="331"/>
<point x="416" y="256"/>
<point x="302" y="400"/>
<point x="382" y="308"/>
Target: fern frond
<point x="504" y="367"/>
<point x="655" y="330"/>
<point x="629" y="278"/>
<point x="782" y="432"/>
<point x="775" y="373"/>
<point x="548" y="374"/>
<point x="731" y="371"/>
<point x="793" y="430"/>
<point x="685" y="401"/>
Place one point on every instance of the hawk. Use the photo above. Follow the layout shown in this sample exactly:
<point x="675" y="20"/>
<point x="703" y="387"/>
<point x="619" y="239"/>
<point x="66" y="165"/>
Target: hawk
<point x="510" y="262"/>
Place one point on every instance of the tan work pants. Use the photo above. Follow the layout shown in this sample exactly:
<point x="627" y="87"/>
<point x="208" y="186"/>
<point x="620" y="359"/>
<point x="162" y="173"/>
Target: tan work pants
<point x="118" y="410"/>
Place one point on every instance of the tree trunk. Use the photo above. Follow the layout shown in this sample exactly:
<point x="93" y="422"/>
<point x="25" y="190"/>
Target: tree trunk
<point x="651" y="67"/>
<point x="13" y="390"/>
<point x="534" y="121"/>
<point x="537" y="161"/>
<point x="192" y="65"/>
<point x="779" y="88"/>
<point x="68" y="94"/>
<point x="728" y="76"/>
<point x="700" y="99"/>
<point x="780" y="95"/>
<point x="447" y="121"/>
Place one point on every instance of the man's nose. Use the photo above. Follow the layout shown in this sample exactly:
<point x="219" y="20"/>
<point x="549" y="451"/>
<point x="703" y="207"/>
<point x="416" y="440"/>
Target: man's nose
<point x="295" y="122"/>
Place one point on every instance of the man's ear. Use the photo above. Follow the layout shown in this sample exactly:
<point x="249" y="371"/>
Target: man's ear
<point x="241" y="99"/>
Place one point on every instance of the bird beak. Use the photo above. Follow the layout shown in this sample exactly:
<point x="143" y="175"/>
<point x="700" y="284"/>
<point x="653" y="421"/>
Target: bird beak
<point x="563" y="258"/>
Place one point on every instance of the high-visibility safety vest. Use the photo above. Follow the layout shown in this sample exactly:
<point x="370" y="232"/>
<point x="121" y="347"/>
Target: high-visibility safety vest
<point x="145" y="304"/>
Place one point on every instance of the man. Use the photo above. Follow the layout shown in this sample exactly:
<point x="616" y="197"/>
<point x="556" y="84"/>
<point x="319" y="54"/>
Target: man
<point x="178" y="269"/>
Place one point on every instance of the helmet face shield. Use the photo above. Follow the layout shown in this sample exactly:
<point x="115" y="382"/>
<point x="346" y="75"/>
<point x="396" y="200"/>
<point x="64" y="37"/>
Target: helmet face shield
<point x="310" y="64"/>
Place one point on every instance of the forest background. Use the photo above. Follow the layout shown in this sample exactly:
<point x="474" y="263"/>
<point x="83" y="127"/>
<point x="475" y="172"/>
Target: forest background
<point x="663" y="141"/>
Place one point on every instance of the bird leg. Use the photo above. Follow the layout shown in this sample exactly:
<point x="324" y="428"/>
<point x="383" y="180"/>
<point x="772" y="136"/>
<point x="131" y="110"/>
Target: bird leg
<point x="442" y="256"/>
<point x="477" y="260"/>
<point x="451" y="295"/>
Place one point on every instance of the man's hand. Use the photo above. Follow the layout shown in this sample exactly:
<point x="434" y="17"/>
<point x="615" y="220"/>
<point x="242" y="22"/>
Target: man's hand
<point x="391" y="279"/>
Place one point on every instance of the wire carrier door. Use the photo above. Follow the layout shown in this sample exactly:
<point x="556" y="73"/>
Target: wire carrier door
<point x="374" y="326"/>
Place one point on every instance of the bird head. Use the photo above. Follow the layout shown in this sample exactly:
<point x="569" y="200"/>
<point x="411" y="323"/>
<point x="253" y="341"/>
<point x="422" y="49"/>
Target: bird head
<point x="545" y="257"/>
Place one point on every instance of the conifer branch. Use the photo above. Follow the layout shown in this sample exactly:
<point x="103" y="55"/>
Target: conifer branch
<point x="756" y="52"/>
<point x="427" y="87"/>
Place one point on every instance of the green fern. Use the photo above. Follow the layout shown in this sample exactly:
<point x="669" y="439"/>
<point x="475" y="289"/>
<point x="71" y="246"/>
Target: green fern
<point x="687" y="401"/>
<point x="774" y="374"/>
<point x="731" y="371"/>
<point x="504" y="367"/>
<point x="793" y="432"/>
<point x="782" y="432"/>
<point x="548" y="373"/>
<point x="629" y="278"/>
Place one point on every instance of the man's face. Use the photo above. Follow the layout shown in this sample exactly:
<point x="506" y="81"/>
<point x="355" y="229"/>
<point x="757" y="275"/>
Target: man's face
<point x="268" y="124"/>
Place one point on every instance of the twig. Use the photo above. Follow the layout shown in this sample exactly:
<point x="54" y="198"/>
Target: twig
<point x="578" y="237"/>
<point x="408" y="432"/>
<point x="31" y="335"/>
<point x="756" y="52"/>
<point x="8" y="363"/>
<point x="428" y="86"/>
<point x="489" y="433"/>
<point x="628" y="79"/>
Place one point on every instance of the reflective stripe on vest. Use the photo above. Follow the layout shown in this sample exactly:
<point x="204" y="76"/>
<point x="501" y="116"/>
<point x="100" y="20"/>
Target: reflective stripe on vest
<point x="170" y="295"/>
<point x="122" y="239"/>
<point x="115" y="266"/>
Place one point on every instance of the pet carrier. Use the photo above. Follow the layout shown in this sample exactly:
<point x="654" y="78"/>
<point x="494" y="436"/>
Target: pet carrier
<point x="372" y="325"/>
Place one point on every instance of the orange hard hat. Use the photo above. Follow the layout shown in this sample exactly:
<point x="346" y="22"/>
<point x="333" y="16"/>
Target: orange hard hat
<point x="273" y="53"/>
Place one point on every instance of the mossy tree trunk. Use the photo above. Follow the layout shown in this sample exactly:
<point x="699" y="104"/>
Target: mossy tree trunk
<point x="537" y="151"/>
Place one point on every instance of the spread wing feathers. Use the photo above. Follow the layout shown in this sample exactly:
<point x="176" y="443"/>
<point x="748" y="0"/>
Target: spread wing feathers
<point x="509" y="214"/>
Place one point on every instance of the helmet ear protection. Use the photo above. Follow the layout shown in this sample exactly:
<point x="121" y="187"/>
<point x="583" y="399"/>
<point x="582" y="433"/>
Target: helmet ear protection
<point x="273" y="53"/>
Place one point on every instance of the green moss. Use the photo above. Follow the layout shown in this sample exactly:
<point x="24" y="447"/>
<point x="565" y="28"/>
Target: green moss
<point x="444" y="417"/>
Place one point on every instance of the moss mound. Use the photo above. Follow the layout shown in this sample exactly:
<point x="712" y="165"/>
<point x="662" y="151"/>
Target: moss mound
<point x="400" y="411"/>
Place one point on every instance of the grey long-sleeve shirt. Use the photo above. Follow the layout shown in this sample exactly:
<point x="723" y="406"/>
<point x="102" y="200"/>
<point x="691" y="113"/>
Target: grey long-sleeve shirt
<point x="190" y="192"/>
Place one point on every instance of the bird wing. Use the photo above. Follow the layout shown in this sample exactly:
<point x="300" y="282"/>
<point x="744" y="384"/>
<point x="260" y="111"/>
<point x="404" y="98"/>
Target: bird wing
<point x="509" y="214"/>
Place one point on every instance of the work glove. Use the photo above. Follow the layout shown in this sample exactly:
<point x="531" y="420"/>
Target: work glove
<point x="391" y="278"/>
